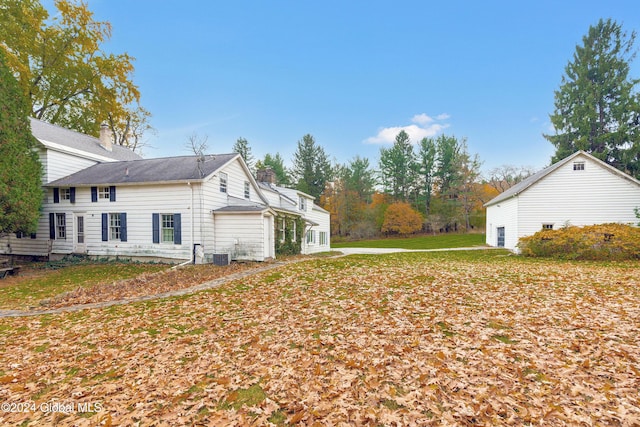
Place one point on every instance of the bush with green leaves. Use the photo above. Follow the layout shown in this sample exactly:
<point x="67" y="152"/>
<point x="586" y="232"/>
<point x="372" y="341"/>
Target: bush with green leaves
<point x="613" y="242"/>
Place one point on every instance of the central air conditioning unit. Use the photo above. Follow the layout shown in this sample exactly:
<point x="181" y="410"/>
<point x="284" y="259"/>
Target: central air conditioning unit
<point x="220" y="259"/>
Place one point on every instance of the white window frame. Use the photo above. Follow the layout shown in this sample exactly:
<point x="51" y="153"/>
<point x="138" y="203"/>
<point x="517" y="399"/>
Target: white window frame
<point x="223" y="182"/>
<point x="311" y="237"/>
<point x="104" y="193"/>
<point x="61" y="226"/>
<point x="302" y="202"/>
<point x="167" y="222"/>
<point x="115" y="227"/>
<point x="578" y="166"/>
<point x="322" y="238"/>
<point x="247" y="190"/>
<point x="65" y="194"/>
<point x="281" y="229"/>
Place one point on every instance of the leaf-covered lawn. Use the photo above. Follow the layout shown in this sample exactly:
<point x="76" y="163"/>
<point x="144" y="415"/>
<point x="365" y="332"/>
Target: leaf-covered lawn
<point x="403" y="339"/>
<point x="33" y="285"/>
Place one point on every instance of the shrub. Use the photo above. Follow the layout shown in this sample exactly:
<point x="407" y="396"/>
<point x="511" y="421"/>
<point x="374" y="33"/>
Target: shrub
<point x="401" y="218"/>
<point x="593" y="242"/>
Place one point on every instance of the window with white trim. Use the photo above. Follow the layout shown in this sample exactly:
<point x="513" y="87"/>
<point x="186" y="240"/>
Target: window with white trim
<point x="302" y="203"/>
<point x="168" y="228"/>
<point x="61" y="226"/>
<point x="247" y="190"/>
<point x="323" y="238"/>
<point x="311" y="237"/>
<point x="223" y="182"/>
<point x="114" y="226"/>
<point x="578" y="166"/>
<point x="281" y="229"/>
<point x="65" y="194"/>
<point x="104" y="193"/>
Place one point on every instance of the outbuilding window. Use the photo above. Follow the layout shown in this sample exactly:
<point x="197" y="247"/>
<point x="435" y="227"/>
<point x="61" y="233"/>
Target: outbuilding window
<point x="578" y="166"/>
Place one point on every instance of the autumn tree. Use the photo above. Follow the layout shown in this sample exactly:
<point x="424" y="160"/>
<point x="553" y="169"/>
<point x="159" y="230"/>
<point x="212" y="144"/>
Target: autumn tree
<point x="20" y="170"/>
<point x="402" y="219"/>
<point x="396" y="167"/>
<point x="65" y="73"/>
<point x="311" y="167"/>
<point x="242" y="147"/>
<point x="346" y="198"/>
<point x="597" y="108"/>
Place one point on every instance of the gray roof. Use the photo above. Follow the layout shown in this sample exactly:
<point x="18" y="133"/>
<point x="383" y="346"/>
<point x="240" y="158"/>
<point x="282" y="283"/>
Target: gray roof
<point x="71" y="139"/>
<point x="524" y="185"/>
<point x="167" y="169"/>
<point x="242" y="209"/>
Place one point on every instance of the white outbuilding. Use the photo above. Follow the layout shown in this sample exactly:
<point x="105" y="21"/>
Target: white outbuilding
<point x="578" y="190"/>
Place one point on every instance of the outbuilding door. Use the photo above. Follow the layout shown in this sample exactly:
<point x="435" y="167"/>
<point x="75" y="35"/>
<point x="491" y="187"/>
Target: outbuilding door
<point x="500" y="231"/>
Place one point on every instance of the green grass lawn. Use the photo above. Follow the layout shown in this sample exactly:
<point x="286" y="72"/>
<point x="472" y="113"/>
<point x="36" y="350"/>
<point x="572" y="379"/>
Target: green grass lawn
<point x="423" y="242"/>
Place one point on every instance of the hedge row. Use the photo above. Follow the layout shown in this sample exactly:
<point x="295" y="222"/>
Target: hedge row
<point x="593" y="242"/>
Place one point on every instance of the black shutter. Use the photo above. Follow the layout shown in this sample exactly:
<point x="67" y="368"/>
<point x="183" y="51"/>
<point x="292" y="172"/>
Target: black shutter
<point x="72" y="194"/>
<point x="177" y="229"/>
<point x="94" y="194"/>
<point x="52" y="226"/>
<point x="156" y="227"/>
<point x="56" y="195"/>
<point x="123" y="227"/>
<point x="112" y="193"/>
<point x="105" y="227"/>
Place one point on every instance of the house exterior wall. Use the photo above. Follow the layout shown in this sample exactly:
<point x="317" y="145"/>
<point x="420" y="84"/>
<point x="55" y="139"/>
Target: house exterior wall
<point x="503" y="214"/>
<point x="592" y="195"/>
<point x="241" y="235"/>
<point x="57" y="165"/>
<point x="321" y="235"/>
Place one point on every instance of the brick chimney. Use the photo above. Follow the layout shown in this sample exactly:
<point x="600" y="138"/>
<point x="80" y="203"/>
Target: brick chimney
<point x="266" y="175"/>
<point x="105" y="137"/>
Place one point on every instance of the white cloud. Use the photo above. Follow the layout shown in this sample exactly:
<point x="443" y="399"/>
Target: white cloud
<point x="423" y="127"/>
<point x="421" y="119"/>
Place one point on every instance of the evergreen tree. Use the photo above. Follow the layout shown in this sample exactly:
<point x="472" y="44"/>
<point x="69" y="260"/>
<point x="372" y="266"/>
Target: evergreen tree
<point x="20" y="170"/>
<point x="426" y="169"/>
<point x="311" y="167"/>
<point x="242" y="147"/>
<point x="276" y="163"/>
<point x="397" y="167"/>
<point x="596" y="107"/>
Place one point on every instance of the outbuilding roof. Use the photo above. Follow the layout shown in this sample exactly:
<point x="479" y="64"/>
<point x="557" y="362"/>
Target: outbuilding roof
<point x="159" y="170"/>
<point x="54" y="135"/>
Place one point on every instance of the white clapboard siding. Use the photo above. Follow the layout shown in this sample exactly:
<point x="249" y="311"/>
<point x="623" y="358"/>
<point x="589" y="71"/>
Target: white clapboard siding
<point x="240" y="235"/>
<point x="58" y="165"/>
<point x="594" y="195"/>
<point x="504" y="214"/>
<point x="320" y="217"/>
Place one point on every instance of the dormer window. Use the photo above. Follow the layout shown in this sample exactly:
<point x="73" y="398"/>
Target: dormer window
<point x="302" y="203"/>
<point x="578" y="166"/>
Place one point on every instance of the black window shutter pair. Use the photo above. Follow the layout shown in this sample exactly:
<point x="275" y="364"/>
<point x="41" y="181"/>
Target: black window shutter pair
<point x="72" y="195"/>
<point x="177" y="228"/>
<point x="123" y="227"/>
<point x="112" y="194"/>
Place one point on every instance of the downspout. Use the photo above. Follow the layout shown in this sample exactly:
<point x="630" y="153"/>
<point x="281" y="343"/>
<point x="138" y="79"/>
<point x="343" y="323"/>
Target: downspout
<point x="191" y="257"/>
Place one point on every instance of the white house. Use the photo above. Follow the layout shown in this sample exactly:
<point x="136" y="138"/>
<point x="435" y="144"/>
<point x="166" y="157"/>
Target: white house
<point x="578" y="190"/>
<point x="103" y="200"/>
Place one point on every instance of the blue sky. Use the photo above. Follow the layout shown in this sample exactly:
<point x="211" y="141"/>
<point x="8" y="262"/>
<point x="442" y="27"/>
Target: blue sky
<point x="352" y="73"/>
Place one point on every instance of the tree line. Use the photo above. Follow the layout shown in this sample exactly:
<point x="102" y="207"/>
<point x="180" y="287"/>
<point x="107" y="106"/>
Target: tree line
<point x="56" y="68"/>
